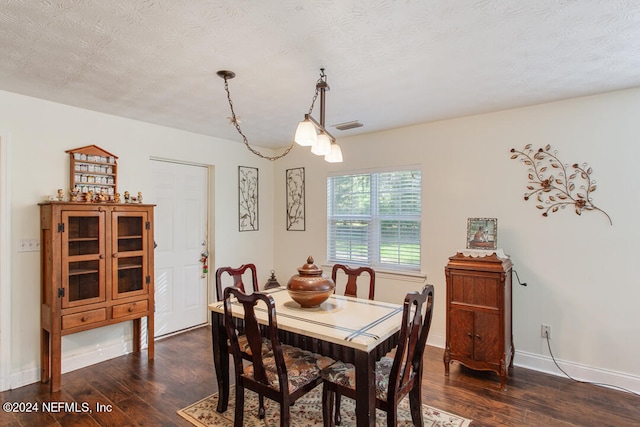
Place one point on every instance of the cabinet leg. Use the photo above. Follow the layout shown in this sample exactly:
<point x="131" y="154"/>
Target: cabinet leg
<point x="56" y="362"/>
<point x="503" y="383"/>
<point x="503" y="375"/>
<point x="447" y="361"/>
<point x="150" y="337"/>
<point x="45" y="355"/>
<point x="137" y="335"/>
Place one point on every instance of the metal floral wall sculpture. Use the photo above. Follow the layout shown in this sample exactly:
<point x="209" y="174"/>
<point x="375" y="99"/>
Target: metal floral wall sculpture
<point x="295" y="199"/>
<point x="556" y="185"/>
<point x="247" y="198"/>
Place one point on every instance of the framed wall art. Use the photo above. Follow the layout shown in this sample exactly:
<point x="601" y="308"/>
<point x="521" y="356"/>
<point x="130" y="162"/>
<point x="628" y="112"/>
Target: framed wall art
<point x="295" y="199"/>
<point x="482" y="233"/>
<point x="247" y="198"/>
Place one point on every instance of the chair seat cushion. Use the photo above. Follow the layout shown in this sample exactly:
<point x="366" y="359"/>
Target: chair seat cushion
<point x="245" y="348"/>
<point x="302" y="367"/>
<point x="344" y="374"/>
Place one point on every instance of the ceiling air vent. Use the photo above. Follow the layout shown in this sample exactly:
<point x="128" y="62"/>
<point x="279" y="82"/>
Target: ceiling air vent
<point x="349" y="125"/>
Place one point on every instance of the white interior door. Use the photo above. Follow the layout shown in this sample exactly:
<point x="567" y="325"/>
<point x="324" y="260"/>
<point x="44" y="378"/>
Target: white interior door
<point x="181" y="198"/>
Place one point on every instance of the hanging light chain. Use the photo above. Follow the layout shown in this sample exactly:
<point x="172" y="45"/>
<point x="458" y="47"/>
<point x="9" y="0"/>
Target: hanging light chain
<point x="313" y="101"/>
<point x="319" y="83"/>
<point x="235" y="122"/>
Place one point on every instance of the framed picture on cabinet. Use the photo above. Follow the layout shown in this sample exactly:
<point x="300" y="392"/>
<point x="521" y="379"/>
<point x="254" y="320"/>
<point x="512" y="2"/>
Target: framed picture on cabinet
<point x="295" y="199"/>
<point x="247" y="198"/>
<point x="482" y="233"/>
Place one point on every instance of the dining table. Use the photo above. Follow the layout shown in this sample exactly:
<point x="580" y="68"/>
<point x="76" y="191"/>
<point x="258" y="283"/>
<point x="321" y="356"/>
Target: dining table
<point x="353" y="330"/>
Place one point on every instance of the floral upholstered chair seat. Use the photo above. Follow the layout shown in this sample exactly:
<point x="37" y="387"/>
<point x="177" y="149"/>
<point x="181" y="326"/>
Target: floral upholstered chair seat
<point x="246" y="349"/>
<point x="302" y="367"/>
<point x="344" y="374"/>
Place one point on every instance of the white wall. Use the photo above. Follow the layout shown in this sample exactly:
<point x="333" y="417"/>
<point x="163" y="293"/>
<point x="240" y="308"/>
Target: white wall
<point x="40" y="133"/>
<point x="580" y="270"/>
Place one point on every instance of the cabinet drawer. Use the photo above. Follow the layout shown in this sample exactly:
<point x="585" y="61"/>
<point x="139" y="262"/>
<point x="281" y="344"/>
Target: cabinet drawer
<point x="85" y="318"/>
<point x="123" y="310"/>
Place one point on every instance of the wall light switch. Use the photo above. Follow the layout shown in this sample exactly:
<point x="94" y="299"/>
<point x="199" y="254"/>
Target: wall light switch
<point x="29" y="245"/>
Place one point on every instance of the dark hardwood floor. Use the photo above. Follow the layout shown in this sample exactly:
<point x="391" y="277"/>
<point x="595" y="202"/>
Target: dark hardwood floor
<point x="149" y="394"/>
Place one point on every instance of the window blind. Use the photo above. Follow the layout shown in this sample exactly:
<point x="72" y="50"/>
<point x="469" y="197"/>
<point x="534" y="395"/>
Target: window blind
<point x="374" y="219"/>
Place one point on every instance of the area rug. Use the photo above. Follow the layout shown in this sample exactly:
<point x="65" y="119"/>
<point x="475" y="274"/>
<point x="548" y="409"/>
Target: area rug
<point x="306" y="412"/>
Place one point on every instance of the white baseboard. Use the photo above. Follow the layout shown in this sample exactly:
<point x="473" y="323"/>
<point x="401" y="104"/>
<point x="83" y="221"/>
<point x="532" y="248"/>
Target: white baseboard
<point x="597" y="376"/>
<point x="76" y="361"/>
<point x="436" y="340"/>
<point x="536" y="362"/>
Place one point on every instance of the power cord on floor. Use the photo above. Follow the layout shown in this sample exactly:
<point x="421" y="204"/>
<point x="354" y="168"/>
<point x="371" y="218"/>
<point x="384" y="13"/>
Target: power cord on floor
<point x="580" y="381"/>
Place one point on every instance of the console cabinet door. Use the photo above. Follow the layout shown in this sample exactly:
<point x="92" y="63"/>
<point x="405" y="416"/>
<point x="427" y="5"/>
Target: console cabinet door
<point x="130" y="240"/>
<point x="487" y="346"/>
<point x="83" y="258"/>
<point x="461" y="338"/>
<point x="475" y="335"/>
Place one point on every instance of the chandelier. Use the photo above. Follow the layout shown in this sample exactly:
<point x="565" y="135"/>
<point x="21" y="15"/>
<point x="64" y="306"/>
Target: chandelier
<point x="309" y="132"/>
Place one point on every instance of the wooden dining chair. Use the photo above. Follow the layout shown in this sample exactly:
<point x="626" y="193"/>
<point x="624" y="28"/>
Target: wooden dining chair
<point x="239" y="277"/>
<point x="397" y="374"/>
<point x="353" y="274"/>
<point x="284" y="374"/>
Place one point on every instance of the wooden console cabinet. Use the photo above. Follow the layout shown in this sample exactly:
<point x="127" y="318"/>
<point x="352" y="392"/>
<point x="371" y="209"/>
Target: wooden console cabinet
<point x="479" y="318"/>
<point x="96" y="270"/>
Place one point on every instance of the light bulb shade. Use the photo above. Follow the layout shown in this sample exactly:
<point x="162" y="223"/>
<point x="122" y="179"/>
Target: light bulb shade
<point x="334" y="155"/>
<point x="323" y="146"/>
<point x="306" y="133"/>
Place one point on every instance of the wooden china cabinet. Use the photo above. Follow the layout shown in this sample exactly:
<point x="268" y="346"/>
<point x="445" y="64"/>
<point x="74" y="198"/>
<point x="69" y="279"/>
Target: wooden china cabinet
<point x="479" y="318"/>
<point x="96" y="270"/>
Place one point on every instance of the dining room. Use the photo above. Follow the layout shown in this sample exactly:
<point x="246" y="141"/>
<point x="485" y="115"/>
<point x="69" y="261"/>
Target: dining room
<point x="565" y="275"/>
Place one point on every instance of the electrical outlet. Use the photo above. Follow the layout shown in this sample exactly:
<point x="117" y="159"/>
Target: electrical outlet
<point x="545" y="331"/>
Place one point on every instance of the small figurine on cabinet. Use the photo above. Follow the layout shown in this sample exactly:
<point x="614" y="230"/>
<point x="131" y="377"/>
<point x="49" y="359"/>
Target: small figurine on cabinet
<point x="89" y="196"/>
<point x="139" y="196"/>
<point x="117" y="198"/>
<point x="60" y="195"/>
<point x="102" y="197"/>
<point x="127" y="196"/>
<point x="74" y="194"/>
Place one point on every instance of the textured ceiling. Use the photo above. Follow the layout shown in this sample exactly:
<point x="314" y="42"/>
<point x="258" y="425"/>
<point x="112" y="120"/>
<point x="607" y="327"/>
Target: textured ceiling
<point x="390" y="63"/>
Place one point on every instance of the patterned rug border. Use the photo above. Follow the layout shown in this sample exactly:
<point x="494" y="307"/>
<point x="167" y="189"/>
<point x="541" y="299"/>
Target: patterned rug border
<point x="310" y="404"/>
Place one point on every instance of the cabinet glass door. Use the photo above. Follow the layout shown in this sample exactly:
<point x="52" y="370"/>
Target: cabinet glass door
<point x="83" y="249"/>
<point x="129" y="264"/>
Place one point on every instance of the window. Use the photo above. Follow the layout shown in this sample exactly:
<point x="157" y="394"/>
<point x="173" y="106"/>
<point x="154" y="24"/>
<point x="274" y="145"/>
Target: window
<point x="374" y="219"/>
